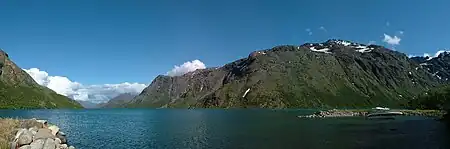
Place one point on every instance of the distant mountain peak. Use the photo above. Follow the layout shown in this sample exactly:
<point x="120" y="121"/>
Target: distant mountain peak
<point x="332" y="45"/>
<point x="120" y="99"/>
<point x="341" y="42"/>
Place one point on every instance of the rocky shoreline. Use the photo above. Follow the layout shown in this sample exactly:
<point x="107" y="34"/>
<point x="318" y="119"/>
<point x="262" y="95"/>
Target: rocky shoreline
<point x="363" y="113"/>
<point x="335" y="113"/>
<point x="38" y="134"/>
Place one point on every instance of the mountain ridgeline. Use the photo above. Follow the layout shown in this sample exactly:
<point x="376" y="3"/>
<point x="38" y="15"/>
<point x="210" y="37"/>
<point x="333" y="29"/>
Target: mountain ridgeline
<point x="332" y="74"/>
<point x="118" y="101"/>
<point x="18" y="90"/>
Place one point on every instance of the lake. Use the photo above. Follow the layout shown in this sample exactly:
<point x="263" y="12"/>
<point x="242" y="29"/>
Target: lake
<point x="235" y="129"/>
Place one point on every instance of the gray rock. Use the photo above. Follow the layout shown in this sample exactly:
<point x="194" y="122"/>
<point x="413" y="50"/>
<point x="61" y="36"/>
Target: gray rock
<point x="37" y="144"/>
<point x="13" y="145"/>
<point x="49" y="144"/>
<point x="61" y="137"/>
<point x="63" y="146"/>
<point x="57" y="141"/>
<point x="43" y="133"/>
<point x="54" y="128"/>
<point x="25" y="147"/>
<point x="25" y="138"/>
<point x="19" y="132"/>
<point x="33" y="129"/>
<point x="71" y="147"/>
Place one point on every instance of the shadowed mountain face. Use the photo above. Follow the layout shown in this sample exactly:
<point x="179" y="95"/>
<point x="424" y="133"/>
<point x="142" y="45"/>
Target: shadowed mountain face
<point x="335" y="73"/>
<point x="118" y="101"/>
<point x="19" y="90"/>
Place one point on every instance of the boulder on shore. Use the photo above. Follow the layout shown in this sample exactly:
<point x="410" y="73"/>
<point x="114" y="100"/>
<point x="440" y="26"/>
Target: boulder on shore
<point x="43" y="133"/>
<point x="25" y="138"/>
<point x="37" y="144"/>
<point x="34" y="136"/>
<point x="61" y="136"/>
<point x="49" y="144"/>
<point x="25" y="147"/>
<point x="54" y="128"/>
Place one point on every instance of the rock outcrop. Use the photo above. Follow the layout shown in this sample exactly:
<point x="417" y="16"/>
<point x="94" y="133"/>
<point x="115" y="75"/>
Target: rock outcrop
<point x="335" y="73"/>
<point x="39" y="136"/>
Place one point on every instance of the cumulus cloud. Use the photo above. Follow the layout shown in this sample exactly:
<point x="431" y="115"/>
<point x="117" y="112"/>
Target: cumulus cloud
<point x="323" y="29"/>
<point x="94" y="93"/>
<point x="435" y="55"/>
<point x="186" y="67"/>
<point x="391" y="40"/>
<point x="431" y="56"/>
<point x="309" y="31"/>
<point x="401" y="32"/>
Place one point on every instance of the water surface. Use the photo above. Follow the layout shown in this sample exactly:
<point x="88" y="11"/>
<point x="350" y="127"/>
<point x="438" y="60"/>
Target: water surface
<point x="208" y="128"/>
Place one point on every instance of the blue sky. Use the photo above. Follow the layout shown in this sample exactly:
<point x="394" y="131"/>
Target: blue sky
<point x="115" y="41"/>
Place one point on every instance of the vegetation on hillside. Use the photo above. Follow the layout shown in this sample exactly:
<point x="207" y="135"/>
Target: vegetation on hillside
<point x="24" y="97"/>
<point x="437" y="98"/>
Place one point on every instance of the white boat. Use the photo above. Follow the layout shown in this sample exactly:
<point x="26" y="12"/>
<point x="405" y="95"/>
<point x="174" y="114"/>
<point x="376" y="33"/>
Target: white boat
<point x="383" y="113"/>
<point x="380" y="108"/>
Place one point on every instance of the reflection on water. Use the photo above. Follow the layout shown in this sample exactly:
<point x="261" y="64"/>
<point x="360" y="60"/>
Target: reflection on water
<point x="205" y="128"/>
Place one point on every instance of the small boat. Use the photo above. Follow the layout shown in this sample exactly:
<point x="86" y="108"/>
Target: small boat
<point x="383" y="113"/>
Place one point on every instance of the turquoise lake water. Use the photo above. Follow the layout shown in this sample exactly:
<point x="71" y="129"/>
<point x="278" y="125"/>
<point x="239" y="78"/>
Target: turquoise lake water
<point x="235" y="129"/>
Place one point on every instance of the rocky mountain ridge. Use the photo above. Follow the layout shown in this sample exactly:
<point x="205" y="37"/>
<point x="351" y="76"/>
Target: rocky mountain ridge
<point x="335" y="73"/>
<point x="438" y="66"/>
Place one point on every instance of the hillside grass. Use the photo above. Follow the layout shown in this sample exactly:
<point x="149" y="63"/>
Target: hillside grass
<point x="32" y="97"/>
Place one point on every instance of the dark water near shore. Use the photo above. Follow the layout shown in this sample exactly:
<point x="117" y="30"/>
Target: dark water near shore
<point x="277" y="129"/>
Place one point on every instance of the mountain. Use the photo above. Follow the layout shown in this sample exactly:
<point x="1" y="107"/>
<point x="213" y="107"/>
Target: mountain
<point x="118" y="101"/>
<point x="18" y="90"/>
<point x="335" y="73"/>
<point x="87" y="104"/>
<point x="438" y="66"/>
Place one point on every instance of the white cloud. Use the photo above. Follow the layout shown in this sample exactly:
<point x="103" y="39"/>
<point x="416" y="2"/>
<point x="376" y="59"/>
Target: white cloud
<point x="439" y="52"/>
<point x="388" y="24"/>
<point x="309" y="31"/>
<point x="323" y="29"/>
<point x="94" y="93"/>
<point x="401" y="32"/>
<point x="431" y="56"/>
<point x="186" y="67"/>
<point x="391" y="40"/>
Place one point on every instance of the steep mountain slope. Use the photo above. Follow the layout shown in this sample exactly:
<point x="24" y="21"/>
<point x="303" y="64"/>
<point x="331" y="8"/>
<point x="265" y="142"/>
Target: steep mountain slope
<point x="19" y="90"/>
<point x="335" y="73"/>
<point x="118" y="101"/>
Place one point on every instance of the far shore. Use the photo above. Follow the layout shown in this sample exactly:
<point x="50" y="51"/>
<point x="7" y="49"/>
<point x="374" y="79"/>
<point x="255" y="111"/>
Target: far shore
<point x="365" y="112"/>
